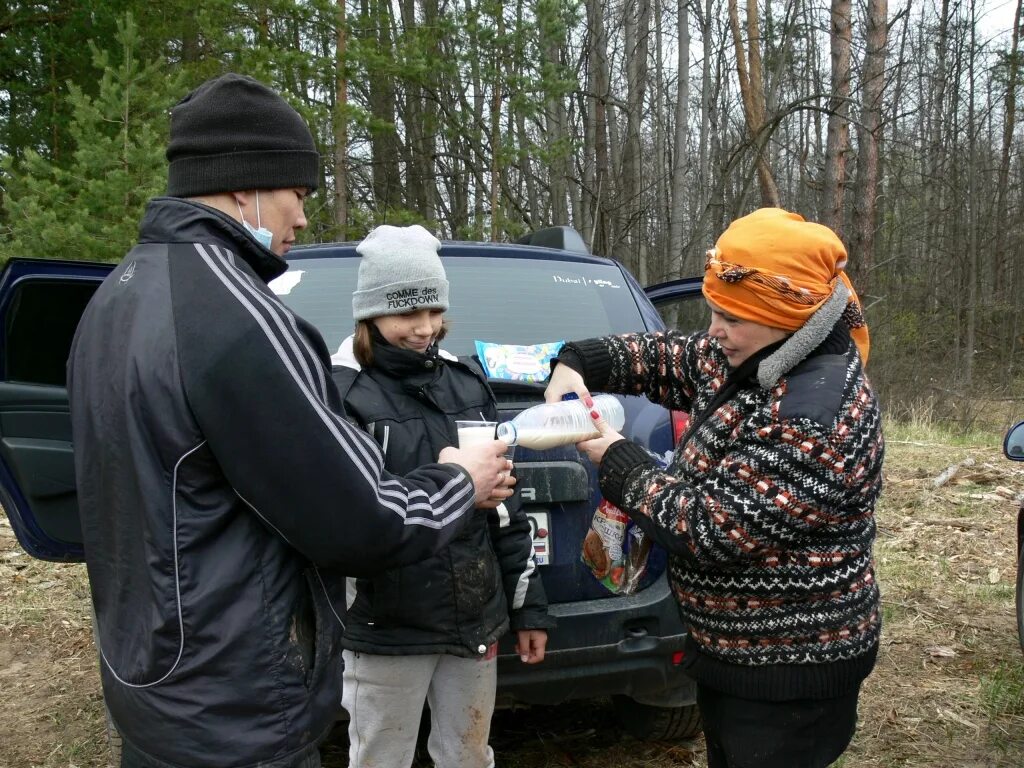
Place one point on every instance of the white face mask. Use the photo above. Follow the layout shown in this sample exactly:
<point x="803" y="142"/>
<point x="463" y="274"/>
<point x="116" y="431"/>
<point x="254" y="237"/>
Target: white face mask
<point x="259" y="233"/>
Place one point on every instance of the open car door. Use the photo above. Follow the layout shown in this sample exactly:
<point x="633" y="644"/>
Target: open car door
<point x="682" y="308"/>
<point x="41" y="301"/>
<point x="680" y="304"/>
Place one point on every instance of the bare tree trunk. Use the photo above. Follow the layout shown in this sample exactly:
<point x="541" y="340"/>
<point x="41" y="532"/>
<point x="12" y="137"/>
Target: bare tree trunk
<point x="476" y="134"/>
<point x="1009" y="122"/>
<point x="868" y="136"/>
<point x="384" y="146"/>
<point x="662" y="164"/>
<point x="637" y="28"/>
<point x="806" y="197"/>
<point x="897" y="125"/>
<point x="614" y="194"/>
<point x="599" y="237"/>
<point x="752" y="93"/>
<point x="838" y="116"/>
<point x="496" y="88"/>
<point x="412" y="119"/>
<point x="428" y="147"/>
<point x="775" y="81"/>
<point x="705" y="94"/>
<point x="585" y="225"/>
<point x="532" y="198"/>
<point x="972" y="221"/>
<point x="680" y="157"/>
<point x="552" y="38"/>
<point x="816" y="116"/>
<point x="525" y="144"/>
<point x="340" y="126"/>
<point x="933" y="190"/>
<point x="573" y="159"/>
<point x="716" y="212"/>
<point x="951" y="232"/>
<point x="701" y="195"/>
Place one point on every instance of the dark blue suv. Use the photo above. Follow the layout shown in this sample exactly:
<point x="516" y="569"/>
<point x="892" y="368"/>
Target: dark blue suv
<point x="1013" y="449"/>
<point x="625" y="647"/>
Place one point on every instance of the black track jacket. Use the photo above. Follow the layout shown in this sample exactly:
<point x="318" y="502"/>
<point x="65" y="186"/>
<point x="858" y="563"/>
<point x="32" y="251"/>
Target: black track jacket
<point x="215" y="477"/>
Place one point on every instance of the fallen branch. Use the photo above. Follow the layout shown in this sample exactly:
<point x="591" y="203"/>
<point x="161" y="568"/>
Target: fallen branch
<point x="950" y="472"/>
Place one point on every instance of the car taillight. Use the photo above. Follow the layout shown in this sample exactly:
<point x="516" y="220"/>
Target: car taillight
<point x="679" y="421"/>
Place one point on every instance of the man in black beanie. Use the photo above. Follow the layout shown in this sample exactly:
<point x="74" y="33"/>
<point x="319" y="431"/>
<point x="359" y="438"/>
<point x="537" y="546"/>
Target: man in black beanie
<point x="211" y="457"/>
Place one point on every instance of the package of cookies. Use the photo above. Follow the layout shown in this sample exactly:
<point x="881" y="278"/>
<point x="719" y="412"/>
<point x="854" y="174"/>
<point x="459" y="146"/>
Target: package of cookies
<point x="615" y="549"/>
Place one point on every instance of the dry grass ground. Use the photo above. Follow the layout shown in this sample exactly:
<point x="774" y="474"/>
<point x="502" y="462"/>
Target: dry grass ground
<point x="948" y="691"/>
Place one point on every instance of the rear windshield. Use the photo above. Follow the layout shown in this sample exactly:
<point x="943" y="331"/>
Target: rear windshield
<point x="507" y="301"/>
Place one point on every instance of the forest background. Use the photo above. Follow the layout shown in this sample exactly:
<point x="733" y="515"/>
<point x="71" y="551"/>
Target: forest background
<point x="647" y="125"/>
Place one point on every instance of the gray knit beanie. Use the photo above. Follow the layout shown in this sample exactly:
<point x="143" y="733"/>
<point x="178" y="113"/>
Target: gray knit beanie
<point x="234" y="133"/>
<point x="400" y="272"/>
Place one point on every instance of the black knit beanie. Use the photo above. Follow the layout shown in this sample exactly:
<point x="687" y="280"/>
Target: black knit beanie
<point x="233" y="133"/>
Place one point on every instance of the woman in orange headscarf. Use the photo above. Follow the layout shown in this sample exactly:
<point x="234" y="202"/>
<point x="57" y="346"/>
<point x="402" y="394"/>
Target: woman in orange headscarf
<point x="767" y="507"/>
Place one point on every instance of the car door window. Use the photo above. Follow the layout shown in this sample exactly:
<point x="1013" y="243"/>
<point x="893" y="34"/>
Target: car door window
<point x="686" y="314"/>
<point x="39" y="326"/>
<point x="40" y="315"/>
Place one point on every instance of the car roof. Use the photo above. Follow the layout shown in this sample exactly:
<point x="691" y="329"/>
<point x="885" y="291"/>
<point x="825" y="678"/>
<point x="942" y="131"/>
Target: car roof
<point x="459" y="249"/>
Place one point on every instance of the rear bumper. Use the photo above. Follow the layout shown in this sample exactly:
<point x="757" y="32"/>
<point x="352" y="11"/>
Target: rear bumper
<point x="617" y="645"/>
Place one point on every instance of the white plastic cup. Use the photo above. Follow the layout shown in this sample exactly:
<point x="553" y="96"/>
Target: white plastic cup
<point x="475" y="432"/>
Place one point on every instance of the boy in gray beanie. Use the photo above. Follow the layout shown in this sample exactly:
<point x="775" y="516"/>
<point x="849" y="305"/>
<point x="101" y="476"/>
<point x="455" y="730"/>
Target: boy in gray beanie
<point x="399" y="272"/>
<point x="427" y="632"/>
<point x="215" y="474"/>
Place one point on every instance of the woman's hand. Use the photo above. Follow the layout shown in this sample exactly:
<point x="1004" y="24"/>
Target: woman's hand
<point x="564" y="380"/>
<point x="595" y="448"/>
<point x="530" y="645"/>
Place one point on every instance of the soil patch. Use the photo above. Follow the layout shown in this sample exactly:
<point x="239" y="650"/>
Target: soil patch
<point x="948" y="689"/>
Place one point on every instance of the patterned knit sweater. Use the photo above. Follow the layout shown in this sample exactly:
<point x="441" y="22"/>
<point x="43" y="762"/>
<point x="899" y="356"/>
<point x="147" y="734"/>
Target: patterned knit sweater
<point x="766" y="509"/>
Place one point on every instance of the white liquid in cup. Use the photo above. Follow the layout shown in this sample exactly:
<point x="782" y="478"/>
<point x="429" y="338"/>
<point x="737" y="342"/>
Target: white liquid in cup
<point x="474" y="435"/>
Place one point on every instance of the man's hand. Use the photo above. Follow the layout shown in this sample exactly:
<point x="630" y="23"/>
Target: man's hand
<point x="488" y="468"/>
<point x="530" y="645"/>
<point x="564" y="380"/>
<point x="595" y="448"/>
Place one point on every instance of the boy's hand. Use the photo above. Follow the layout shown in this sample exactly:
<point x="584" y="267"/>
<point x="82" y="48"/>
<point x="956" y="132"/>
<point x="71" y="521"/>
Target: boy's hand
<point x="530" y="645"/>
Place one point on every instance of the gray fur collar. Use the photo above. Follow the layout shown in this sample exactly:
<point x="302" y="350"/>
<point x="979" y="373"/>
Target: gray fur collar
<point x="804" y="340"/>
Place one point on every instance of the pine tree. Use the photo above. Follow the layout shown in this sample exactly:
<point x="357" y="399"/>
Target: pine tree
<point x="90" y="208"/>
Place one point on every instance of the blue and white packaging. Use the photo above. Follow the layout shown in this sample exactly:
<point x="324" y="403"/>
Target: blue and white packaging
<point x="517" y="362"/>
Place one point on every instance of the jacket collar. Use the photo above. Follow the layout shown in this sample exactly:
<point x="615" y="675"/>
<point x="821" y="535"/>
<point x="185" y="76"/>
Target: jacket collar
<point x="402" y="363"/>
<point x="345" y="357"/>
<point x="749" y="371"/>
<point x="806" y="340"/>
<point x="177" y="220"/>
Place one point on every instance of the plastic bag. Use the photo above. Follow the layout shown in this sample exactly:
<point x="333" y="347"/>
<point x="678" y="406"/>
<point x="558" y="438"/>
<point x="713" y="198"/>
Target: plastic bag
<point x="517" y="362"/>
<point x="616" y="550"/>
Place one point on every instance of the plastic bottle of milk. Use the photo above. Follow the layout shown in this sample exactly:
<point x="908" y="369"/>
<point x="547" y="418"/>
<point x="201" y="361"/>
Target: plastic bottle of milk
<point x="553" y="424"/>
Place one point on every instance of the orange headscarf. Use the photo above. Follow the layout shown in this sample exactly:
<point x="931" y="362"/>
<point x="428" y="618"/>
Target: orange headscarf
<point x="774" y="268"/>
